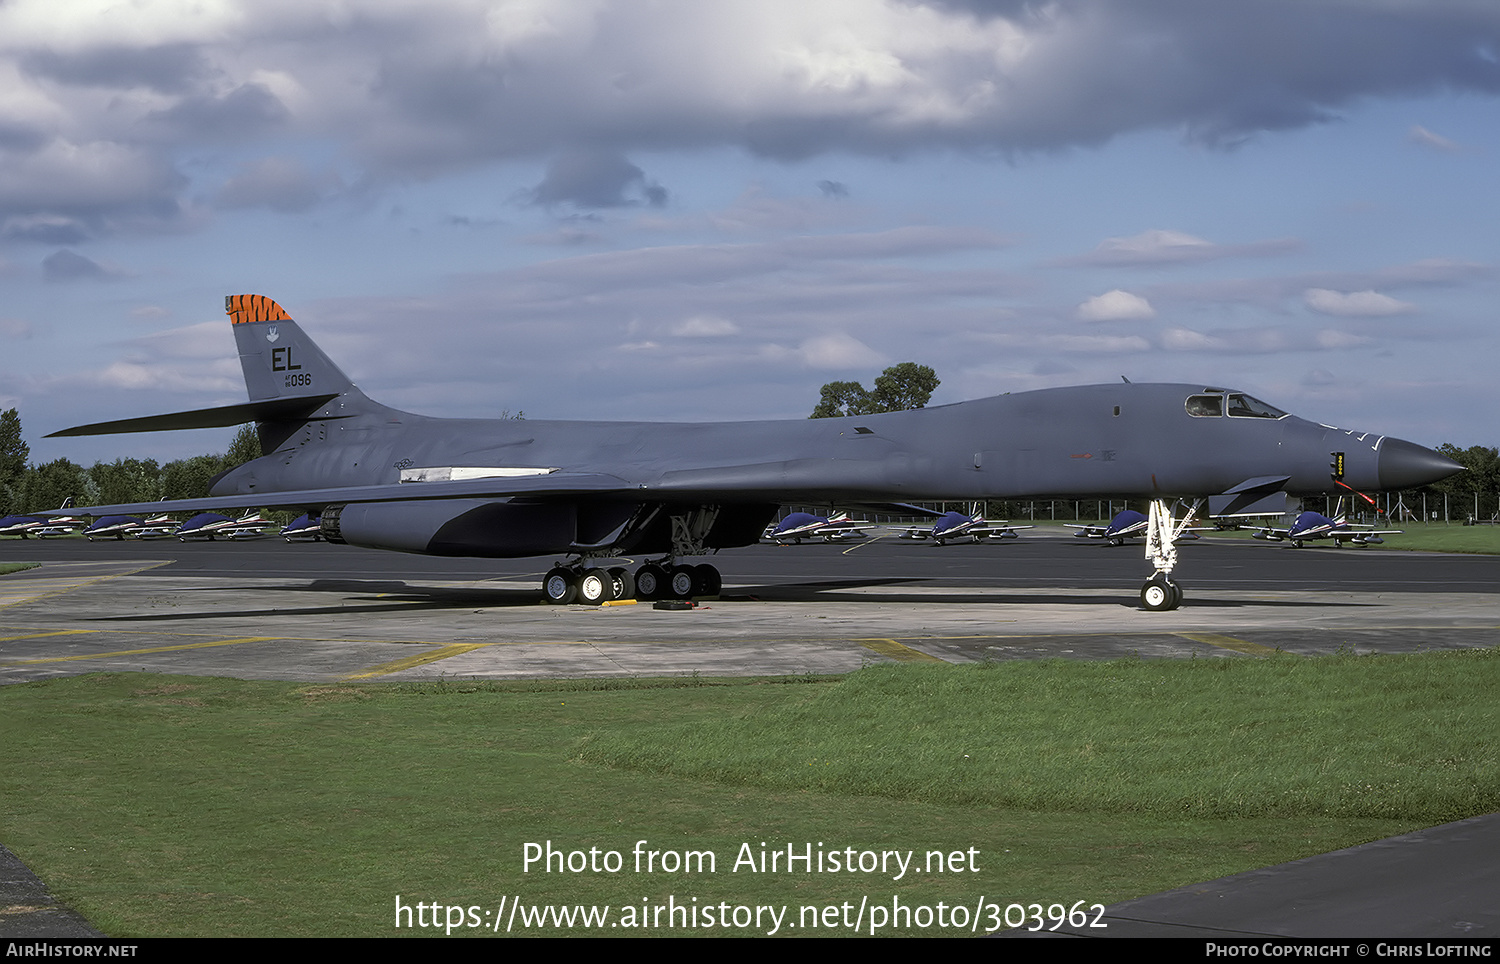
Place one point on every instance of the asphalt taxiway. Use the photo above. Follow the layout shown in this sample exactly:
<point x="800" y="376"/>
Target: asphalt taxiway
<point x="269" y="610"/>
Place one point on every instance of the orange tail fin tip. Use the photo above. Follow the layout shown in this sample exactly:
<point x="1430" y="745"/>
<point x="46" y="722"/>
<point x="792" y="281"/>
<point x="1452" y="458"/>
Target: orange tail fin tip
<point x="243" y="309"/>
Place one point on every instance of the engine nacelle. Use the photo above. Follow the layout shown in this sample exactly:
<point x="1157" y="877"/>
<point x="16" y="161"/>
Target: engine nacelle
<point x="474" y="527"/>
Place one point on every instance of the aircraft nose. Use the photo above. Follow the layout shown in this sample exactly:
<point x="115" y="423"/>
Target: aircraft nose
<point x="1406" y="465"/>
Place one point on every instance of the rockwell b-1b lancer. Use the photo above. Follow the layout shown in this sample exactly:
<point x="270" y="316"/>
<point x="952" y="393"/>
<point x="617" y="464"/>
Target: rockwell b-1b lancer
<point x="595" y="491"/>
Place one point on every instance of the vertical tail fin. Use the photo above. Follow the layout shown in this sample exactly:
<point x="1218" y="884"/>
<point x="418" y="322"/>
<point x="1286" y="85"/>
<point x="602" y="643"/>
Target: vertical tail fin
<point x="278" y="359"/>
<point x="282" y="364"/>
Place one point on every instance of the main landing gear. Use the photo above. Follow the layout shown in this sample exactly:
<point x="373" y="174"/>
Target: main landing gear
<point x="1161" y="593"/>
<point x="594" y="586"/>
<point x="585" y="582"/>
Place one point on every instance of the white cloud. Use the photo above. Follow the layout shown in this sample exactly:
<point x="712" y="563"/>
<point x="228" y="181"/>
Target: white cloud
<point x="1354" y="304"/>
<point x="1116" y="305"/>
<point x="839" y="351"/>
<point x="1421" y="135"/>
<point x="1163" y="248"/>
<point x="1185" y="339"/>
<point x="411" y="89"/>
<point x="1153" y="246"/>
<point x="704" y="326"/>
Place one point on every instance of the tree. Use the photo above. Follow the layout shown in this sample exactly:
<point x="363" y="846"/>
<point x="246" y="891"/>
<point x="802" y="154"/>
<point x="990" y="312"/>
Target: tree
<point x="904" y="386"/>
<point x="897" y="389"/>
<point x="13" y="455"/>
<point x="842" y="398"/>
<point x="189" y="478"/>
<point x="1474" y="489"/>
<point x="126" y="480"/>
<point x="244" y="448"/>
<point x="13" y="449"/>
<point x="47" y="486"/>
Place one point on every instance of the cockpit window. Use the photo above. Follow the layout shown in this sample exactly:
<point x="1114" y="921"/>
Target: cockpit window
<point x="1205" y="405"/>
<point x="1244" y="406"/>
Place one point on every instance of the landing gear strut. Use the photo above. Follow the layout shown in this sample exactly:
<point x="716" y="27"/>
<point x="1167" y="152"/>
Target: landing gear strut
<point x="1161" y="593"/>
<point x="583" y="580"/>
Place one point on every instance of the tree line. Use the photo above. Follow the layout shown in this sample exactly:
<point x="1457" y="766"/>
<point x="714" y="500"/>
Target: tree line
<point x="25" y="487"/>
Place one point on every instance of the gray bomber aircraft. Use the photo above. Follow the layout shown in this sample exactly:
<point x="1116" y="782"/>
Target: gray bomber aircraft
<point x="594" y="491"/>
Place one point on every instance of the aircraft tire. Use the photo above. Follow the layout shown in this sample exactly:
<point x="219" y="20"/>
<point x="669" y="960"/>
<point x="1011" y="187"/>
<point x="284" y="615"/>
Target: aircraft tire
<point x="650" y="582"/>
<point x="624" y="582"/>
<point x="560" y="587"/>
<point x="595" y="586"/>
<point x="1160" y="594"/>
<point x="708" y="579"/>
<point x="684" y="583"/>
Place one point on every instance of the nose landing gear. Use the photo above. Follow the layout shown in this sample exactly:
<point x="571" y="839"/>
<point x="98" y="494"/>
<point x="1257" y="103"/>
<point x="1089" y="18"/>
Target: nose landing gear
<point x="1161" y="593"/>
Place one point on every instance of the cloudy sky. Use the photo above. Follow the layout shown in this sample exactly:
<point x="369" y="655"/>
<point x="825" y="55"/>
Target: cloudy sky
<point x="671" y="209"/>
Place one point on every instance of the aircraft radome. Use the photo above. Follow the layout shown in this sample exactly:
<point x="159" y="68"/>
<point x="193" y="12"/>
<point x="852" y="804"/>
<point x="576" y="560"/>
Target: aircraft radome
<point x="594" y="491"/>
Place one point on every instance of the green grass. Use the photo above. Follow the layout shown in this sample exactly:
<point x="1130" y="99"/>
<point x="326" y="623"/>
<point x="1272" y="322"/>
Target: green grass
<point x="1452" y="537"/>
<point x="8" y="567"/>
<point x="183" y="806"/>
<point x="1216" y="738"/>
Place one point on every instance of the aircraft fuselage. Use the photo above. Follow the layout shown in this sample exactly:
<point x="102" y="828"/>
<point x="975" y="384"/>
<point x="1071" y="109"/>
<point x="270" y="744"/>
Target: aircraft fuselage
<point x="1122" y="440"/>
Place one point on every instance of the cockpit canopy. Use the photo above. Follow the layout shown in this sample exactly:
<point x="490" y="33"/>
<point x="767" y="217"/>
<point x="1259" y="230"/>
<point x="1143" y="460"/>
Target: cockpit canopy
<point x="1216" y="402"/>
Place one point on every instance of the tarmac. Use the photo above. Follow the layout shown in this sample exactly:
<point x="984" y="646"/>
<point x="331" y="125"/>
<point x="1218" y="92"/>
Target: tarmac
<point x="267" y="610"/>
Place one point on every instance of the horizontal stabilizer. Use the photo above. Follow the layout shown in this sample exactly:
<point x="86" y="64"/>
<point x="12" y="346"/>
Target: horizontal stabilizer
<point x="267" y="410"/>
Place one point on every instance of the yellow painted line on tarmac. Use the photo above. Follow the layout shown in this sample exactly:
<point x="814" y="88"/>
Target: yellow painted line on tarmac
<point x="31" y="589"/>
<point x="868" y="542"/>
<point x="1229" y="642"/>
<point x="421" y="659"/>
<point x="896" y="651"/>
<point x="139" y="652"/>
<point x="55" y="632"/>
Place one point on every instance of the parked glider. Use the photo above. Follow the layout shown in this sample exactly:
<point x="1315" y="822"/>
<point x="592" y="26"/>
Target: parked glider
<point x="1126" y="524"/>
<point x="1311" y="525"/>
<point x="593" y="491"/>
<point x="113" y="527"/>
<point x="804" y="525"/>
<point x="306" y="526"/>
<point x="20" y="525"/>
<point x="958" y="527"/>
<point x="212" y="525"/>
<point x="58" y="523"/>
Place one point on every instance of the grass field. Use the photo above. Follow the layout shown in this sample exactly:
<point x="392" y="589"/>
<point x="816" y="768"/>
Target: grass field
<point x="163" y="805"/>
